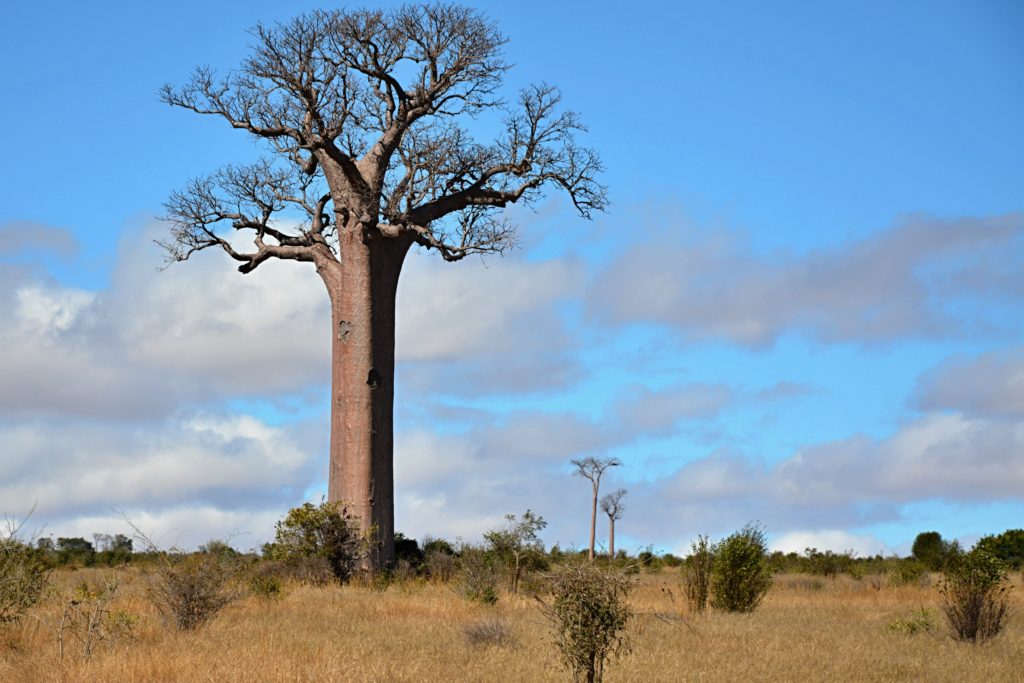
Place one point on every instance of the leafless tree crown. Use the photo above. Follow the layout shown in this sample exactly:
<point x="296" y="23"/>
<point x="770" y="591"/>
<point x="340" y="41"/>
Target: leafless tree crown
<point x="364" y="113"/>
<point x="612" y="505"/>
<point x="592" y="468"/>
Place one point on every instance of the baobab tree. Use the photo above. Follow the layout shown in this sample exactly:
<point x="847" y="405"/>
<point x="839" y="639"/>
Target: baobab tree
<point x="364" y="114"/>
<point x="612" y="505"/>
<point x="592" y="469"/>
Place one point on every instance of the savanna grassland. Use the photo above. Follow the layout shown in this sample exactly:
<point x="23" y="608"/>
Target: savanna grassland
<point x="807" y="629"/>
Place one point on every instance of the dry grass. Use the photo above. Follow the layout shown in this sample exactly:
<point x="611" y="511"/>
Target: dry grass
<point x="823" y="630"/>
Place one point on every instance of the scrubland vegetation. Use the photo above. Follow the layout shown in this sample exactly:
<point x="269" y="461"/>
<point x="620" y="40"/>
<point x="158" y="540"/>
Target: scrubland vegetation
<point x="509" y="609"/>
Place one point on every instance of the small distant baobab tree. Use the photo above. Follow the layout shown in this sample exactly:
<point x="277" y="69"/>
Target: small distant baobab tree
<point x="592" y="469"/>
<point x="612" y="505"/>
<point x="364" y="114"/>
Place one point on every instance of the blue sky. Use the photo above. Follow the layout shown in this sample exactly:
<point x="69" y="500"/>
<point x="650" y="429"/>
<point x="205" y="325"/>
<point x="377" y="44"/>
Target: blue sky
<point x="803" y="306"/>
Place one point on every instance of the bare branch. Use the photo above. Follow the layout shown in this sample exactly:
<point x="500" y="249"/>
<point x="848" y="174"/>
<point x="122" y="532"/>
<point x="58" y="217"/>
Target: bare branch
<point x="593" y="468"/>
<point x="245" y="198"/>
<point x="370" y="102"/>
<point x="612" y="505"/>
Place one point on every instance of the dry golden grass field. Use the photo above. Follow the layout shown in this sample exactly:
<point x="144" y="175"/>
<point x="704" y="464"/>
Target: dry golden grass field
<point x="807" y="629"/>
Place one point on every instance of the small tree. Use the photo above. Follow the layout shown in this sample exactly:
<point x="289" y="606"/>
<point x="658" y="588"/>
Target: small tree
<point x="697" y="573"/>
<point x="324" y="531"/>
<point x="613" y="506"/>
<point x="589" y="613"/>
<point x="518" y="545"/>
<point x="974" y="593"/>
<point x="23" y="574"/>
<point x="1007" y="547"/>
<point x="592" y="469"/>
<point x="931" y="550"/>
<point x="740" y="575"/>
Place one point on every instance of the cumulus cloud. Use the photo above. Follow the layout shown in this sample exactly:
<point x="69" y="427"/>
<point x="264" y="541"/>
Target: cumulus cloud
<point x="849" y="482"/>
<point x="85" y="467"/>
<point x="991" y="384"/>
<point x="462" y="484"/>
<point x="899" y="283"/>
<point x="199" y="331"/>
<point x="642" y="410"/>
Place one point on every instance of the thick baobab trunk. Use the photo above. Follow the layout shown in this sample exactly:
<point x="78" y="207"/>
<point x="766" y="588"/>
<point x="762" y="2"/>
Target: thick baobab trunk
<point x="611" y="537"/>
<point x="362" y="284"/>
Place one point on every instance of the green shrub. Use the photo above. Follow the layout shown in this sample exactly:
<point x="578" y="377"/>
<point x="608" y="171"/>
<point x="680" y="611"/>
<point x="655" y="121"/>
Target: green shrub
<point x="1008" y="547"/>
<point x="477" y="575"/>
<point x="671" y="560"/>
<point x="697" y="573"/>
<point x="407" y="550"/>
<point x="740" y="574"/>
<point x="267" y="580"/>
<point x="919" y="621"/>
<point x="975" y="596"/>
<point x="326" y="531"/>
<point x="588" y="613"/>
<point x="930" y="549"/>
<point x="518" y="547"/>
<point x="908" y="572"/>
<point x="827" y="563"/>
<point x="24" y="575"/>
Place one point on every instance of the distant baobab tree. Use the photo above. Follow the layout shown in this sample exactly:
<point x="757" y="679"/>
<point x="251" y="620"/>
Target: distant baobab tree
<point x="612" y="505"/>
<point x="592" y="468"/>
<point x="364" y="115"/>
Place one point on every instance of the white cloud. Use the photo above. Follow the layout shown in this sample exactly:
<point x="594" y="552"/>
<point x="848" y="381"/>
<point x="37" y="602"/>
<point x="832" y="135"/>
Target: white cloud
<point x="850" y="482"/>
<point x="642" y="410"/>
<point x="898" y="283"/>
<point x="199" y="331"/>
<point x="498" y="308"/>
<point x="87" y="467"/>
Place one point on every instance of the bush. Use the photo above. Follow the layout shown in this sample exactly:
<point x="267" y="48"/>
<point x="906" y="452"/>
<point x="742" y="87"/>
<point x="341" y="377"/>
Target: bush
<point x="975" y="599"/>
<point x="1008" y="547"/>
<point x="87" y="618"/>
<point x="267" y="580"/>
<point x="326" y="531"/>
<point x="189" y="590"/>
<point x="518" y="547"/>
<point x="919" y="621"/>
<point x="827" y="563"/>
<point x="740" y="575"/>
<point x="671" y="560"/>
<point x="908" y="572"/>
<point x="24" y="575"/>
<point x="431" y="544"/>
<point x="477" y="577"/>
<point x="697" y="573"/>
<point x="407" y="550"/>
<point x="589" y="613"/>
<point x="440" y="566"/>
<point x="491" y="632"/>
